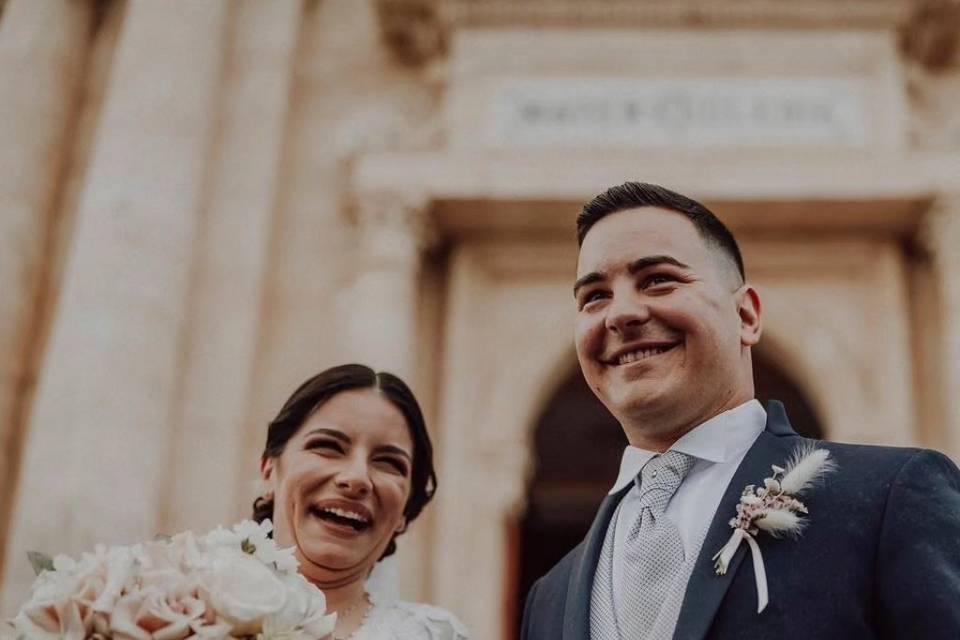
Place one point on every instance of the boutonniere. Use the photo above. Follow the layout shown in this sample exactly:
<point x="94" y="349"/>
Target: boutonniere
<point x="774" y="509"/>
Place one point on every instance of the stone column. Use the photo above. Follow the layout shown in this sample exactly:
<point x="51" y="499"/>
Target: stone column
<point x="943" y="238"/>
<point x="212" y="471"/>
<point x="43" y="49"/>
<point x="96" y="452"/>
<point x="392" y="230"/>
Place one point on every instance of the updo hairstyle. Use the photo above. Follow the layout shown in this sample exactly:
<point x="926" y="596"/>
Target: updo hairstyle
<point x="313" y="393"/>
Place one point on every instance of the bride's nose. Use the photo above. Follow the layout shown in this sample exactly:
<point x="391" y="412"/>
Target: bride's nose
<point x="353" y="479"/>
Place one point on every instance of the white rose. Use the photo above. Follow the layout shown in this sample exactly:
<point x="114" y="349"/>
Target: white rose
<point x="61" y="621"/>
<point x="8" y="631"/>
<point x="304" y="614"/>
<point x="58" y="604"/>
<point x="119" y="570"/>
<point x="221" y="537"/>
<point x="254" y="531"/>
<point x="184" y="550"/>
<point x="241" y="589"/>
<point x="286" y="560"/>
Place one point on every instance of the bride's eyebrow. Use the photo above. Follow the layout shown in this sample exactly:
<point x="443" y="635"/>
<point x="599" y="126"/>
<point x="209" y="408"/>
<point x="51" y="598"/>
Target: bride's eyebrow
<point x="333" y="433"/>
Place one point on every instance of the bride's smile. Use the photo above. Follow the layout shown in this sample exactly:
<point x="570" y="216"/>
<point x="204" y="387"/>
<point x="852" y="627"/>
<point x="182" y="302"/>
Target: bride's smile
<point x="342" y="483"/>
<point x="347" y="466"/>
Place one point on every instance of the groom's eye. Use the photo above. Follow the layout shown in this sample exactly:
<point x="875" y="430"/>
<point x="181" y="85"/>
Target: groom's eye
<point x="590" y="296"/>
<point x="657" y="279"/>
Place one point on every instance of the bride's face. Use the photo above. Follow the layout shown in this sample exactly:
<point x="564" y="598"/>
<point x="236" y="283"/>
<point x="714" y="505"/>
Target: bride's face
<point x="341" y="484"/>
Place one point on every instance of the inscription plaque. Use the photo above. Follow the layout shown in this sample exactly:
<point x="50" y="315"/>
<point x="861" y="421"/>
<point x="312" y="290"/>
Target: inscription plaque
<point x="691" y="113"/>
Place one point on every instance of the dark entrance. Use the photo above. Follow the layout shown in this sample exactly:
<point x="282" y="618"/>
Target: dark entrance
<point x="578" y="445"/>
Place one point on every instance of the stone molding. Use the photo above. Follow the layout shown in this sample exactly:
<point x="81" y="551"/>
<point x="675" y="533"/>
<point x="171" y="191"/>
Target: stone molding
<point x="939" y="233"/>
<point x="393" y="228"/>
<point x="418" y="31"/>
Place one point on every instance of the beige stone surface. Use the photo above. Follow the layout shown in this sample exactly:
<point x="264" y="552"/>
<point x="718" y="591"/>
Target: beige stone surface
<point x="96" y="454"/>
<point x="227" y="287"/>
<point x="943" y="239"/>
<point x="256" y="191"/>
<point x="42" y="55"/>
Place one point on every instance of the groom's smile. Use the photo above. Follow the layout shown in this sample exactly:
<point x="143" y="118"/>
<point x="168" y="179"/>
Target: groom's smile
<point x="657" y="323"/>
<point x="639" y="352"/>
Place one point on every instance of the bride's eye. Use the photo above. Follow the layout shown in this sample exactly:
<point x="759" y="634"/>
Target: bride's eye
<point x="322" y="444"/>
<point x="395" y="464"/>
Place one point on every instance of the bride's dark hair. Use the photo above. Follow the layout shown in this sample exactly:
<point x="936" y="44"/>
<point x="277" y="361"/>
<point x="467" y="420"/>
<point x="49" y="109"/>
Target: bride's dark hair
<point x="313" y="393"/>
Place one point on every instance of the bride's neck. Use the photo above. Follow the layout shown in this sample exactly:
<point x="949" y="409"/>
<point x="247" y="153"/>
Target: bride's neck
<point x="343" y="596"/>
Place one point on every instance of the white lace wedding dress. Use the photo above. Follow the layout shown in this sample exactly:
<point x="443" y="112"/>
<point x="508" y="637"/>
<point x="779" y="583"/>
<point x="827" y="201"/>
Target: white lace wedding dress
<point x="391" y="619"/>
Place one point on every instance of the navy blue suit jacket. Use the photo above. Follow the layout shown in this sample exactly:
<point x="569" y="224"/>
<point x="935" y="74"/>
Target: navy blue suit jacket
<point x="879" y="558"/>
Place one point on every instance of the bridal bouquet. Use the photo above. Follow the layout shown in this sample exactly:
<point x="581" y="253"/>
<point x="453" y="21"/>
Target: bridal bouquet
<point x="226" y="584"/>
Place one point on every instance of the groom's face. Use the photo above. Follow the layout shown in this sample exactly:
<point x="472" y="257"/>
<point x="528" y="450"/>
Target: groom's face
<point x="658" y="331"/>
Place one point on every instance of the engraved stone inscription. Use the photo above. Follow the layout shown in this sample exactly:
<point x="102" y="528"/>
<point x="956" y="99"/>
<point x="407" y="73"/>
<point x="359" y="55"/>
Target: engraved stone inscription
<point x="691" y="113"/>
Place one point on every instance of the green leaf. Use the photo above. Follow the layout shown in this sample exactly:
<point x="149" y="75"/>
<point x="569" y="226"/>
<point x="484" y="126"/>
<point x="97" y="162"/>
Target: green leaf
<point x="248" y="547"/>
<point x="162" y="537"/>
<point x="40" y="562"/>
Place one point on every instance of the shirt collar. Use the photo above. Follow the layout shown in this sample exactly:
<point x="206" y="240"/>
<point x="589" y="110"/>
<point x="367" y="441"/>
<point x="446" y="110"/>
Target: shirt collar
<point x="722" y="438"/>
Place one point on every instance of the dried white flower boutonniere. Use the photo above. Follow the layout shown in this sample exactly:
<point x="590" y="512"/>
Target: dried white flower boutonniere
<point x="775" y="509"/>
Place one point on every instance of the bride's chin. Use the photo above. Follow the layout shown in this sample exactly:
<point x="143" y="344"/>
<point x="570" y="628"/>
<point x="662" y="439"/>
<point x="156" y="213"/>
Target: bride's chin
<point x="328" y="567"/>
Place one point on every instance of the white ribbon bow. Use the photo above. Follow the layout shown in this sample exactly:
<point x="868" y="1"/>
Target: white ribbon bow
<point x="723" y="557"/>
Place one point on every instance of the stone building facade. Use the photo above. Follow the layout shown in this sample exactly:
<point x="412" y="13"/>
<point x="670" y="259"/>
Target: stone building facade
<point x="203" y="203"/>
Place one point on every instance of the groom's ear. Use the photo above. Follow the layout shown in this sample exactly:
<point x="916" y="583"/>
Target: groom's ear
<point x="749" y="310"/>
<point x="402" y="527"/>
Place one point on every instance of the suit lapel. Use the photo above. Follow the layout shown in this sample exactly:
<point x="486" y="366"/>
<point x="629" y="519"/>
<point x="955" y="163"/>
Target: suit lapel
<point x="705" y="589"/>
<point x="576" y="612"/>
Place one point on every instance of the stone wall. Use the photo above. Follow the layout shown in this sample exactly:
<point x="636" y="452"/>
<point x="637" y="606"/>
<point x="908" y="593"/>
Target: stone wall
<point x="205" y="203"/>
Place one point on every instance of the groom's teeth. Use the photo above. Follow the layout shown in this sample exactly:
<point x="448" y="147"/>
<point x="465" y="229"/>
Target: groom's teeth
<point x="640" y="354"/>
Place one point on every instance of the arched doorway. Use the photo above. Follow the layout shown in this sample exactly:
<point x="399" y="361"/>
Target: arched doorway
<point x="568" y="485"/>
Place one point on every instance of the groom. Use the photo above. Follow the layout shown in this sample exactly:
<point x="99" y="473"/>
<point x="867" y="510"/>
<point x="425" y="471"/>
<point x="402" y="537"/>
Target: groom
<point x="664" y="327"/>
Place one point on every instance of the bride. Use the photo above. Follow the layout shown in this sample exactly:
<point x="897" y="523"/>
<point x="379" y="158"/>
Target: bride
<point x="348" y="466"/>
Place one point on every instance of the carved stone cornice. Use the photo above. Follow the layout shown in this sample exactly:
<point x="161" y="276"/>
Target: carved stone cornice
<point x="412" y="29"/>
<point x="419" y="30"/>
<point x="932" y="35"/>
<point x="393" y="227"/>
<point x="676" y="13"/>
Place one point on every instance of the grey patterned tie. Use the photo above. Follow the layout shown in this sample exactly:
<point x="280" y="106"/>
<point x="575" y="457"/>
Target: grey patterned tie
<point x="653" y="550"/>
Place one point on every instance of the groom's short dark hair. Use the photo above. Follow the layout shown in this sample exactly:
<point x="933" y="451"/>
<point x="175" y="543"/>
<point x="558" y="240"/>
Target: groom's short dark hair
<point x="634" y="195"/>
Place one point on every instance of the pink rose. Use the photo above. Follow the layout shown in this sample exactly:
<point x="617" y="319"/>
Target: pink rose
<point x="152" y="615"/>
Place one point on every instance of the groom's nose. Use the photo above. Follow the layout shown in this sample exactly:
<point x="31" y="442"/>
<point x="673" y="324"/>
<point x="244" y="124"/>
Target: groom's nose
<point x="626" y="312"/>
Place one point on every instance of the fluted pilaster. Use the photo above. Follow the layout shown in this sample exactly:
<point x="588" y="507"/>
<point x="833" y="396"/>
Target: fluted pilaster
<point x="95" y="458"/>
<point x="228" y="290"/>
<point x="43" y="46"/>
<point x="943" y="240"/>
<point x="392" y="230"/>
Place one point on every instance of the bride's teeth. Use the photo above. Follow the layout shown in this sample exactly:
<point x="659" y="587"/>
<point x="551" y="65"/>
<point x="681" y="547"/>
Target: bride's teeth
<point x="345" y="514"/>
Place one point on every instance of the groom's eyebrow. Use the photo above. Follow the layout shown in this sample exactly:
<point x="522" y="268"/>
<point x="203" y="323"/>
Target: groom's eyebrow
<point x="590" y="278"/>
<point x="650" y="261"/>
<point x="637" y="265"/>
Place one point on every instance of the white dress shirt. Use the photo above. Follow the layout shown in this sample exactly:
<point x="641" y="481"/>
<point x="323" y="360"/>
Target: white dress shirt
<point x="718" y="446"/>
